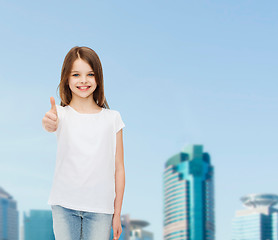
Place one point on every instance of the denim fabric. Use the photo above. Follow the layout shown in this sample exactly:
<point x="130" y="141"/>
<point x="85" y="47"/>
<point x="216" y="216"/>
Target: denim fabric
<point x="69" y="224"/>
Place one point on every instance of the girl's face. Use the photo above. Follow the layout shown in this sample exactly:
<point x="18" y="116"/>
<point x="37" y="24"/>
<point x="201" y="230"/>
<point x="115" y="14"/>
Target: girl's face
<point x="82" y="75"/>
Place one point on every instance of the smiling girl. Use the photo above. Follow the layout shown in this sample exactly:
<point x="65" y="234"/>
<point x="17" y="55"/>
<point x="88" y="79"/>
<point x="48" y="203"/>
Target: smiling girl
<point x="89" y="179"/>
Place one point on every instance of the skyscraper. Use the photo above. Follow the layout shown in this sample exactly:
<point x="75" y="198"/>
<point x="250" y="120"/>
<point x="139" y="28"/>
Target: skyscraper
<point x="259" y="221"/>
<point x="188" y="190"/>
<point x="9" y="217"/>
<point x="38" y="225"/>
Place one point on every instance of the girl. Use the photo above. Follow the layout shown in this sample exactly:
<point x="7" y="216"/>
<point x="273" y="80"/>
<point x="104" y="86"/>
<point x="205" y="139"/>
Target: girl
<point x="89" y="179"/>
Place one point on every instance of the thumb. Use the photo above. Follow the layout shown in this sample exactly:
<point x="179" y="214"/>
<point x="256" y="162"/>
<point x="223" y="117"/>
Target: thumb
<point x="53" y="106"/>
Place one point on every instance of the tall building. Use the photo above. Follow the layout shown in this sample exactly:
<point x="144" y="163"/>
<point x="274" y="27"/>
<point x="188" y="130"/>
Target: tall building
<point x="188" y="189"/>
<point x="259" y="221"/>
<point x="132" y="229"/>
<point x="38" y="225"/>
<point x="9" y="217"/>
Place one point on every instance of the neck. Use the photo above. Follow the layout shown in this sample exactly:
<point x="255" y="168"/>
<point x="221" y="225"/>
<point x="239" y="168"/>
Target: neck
<point x="84" y="104"/>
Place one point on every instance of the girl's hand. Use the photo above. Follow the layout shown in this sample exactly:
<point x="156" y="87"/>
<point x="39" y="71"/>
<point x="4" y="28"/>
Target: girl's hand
<point x="50" y="120"/>
<point x="117" y="226"/>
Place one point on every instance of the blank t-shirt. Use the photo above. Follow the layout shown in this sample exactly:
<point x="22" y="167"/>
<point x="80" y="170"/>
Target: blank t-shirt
<point x="84" y="177"/>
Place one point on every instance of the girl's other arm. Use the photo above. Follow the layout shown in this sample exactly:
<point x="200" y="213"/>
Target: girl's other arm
<point x="119" y="184"/>
<point x="50" y="120"/>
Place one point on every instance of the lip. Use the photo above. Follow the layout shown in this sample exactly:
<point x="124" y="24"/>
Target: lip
<point x="83" y="90"/>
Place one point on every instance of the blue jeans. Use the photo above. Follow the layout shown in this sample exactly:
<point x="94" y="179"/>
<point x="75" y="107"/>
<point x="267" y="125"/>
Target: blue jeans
<point x="70" y="224"/>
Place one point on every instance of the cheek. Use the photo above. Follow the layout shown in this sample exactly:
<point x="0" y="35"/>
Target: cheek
<point x="71" y="85"/>
<point x="72" y="82"/>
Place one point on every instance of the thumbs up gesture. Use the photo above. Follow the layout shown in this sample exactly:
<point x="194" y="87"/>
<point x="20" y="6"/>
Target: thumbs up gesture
<point x="50" y="120"/>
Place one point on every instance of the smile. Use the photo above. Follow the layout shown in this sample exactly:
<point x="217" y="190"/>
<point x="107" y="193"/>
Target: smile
<point x="83" y="88"/>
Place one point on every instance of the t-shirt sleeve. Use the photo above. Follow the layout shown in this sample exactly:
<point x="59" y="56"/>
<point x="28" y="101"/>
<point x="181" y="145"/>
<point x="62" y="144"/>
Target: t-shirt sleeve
<point x="119" y="122"/>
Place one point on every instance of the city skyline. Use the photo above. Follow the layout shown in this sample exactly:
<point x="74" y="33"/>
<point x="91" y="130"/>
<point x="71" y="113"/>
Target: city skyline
<point x="258" y="221"/>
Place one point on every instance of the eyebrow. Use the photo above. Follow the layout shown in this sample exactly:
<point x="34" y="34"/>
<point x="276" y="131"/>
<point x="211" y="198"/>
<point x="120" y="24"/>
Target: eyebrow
<point x="78" y="71"/>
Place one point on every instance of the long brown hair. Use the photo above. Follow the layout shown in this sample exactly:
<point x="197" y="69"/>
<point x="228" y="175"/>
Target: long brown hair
<point x="88" y="55"/>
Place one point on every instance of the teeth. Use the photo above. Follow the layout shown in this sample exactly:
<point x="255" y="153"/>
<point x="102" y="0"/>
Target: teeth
<point x="83" y="87"/>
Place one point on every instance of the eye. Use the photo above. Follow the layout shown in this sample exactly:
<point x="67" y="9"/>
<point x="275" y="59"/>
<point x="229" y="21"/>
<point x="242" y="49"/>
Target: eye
<point x="91" y="74"/>
<point x="74" y="74"/>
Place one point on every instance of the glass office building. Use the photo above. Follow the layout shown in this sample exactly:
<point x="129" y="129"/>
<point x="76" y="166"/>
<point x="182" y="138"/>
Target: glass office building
<point x="38" y="225"/>
<point x="259" y="221"/>
<point x="188" y="189"/>
<point x="9" y="217"/>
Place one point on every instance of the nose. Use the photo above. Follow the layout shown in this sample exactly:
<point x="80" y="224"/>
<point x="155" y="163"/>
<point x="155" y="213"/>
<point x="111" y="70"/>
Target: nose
<point x="84" y="80"/>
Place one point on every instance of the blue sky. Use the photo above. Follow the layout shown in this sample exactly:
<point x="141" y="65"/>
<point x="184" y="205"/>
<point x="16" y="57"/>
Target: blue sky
<point x="179" y="73"/>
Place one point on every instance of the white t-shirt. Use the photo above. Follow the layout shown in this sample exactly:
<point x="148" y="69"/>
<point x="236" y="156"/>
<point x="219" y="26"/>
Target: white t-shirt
<point x="84" y="177"/>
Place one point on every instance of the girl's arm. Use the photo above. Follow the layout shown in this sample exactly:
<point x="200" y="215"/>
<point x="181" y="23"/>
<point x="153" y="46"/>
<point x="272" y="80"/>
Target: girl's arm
<point x="119" y="173"/>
